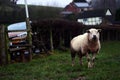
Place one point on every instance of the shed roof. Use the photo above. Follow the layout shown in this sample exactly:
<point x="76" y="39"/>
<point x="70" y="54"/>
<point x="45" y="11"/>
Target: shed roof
<point x="81" y="4"/>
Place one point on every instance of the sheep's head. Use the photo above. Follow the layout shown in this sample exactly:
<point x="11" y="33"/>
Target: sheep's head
<point x="93" y="34"/>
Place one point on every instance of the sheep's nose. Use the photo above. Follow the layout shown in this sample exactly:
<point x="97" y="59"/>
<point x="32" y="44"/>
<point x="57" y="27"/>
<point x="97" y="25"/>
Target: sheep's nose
<point x="94" y="37"/>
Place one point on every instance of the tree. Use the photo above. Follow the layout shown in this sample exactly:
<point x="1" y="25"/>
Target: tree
<point x="8" y="2"/>
<point x="117" y="16"/>
<point x="4" y="1"/>
<point x="14" y="1"/>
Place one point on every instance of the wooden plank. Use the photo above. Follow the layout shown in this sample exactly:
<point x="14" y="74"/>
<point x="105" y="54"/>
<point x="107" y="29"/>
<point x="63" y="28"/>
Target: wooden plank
<point x="17" y="49"/>
<point x="22" y="45"/>
<point x="18" y="30"/>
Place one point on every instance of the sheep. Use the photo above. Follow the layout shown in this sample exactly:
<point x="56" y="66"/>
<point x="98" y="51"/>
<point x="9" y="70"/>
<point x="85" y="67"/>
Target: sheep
<point x="85" y="44"/>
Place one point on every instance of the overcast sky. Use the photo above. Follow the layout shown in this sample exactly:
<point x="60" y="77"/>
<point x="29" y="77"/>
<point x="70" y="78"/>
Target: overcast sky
<point x="56" y="3"/>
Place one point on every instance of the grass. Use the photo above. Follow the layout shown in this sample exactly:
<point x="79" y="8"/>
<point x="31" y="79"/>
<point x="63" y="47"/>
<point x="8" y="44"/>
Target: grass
<point x="58" y="67"/>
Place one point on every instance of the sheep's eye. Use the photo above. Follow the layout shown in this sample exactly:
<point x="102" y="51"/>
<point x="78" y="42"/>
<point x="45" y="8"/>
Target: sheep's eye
<point x="99" y="30"/>
<point x="88" y="31"/>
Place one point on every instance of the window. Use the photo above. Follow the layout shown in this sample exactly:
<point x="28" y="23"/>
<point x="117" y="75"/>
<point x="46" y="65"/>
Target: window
<point x="91" y="21"/>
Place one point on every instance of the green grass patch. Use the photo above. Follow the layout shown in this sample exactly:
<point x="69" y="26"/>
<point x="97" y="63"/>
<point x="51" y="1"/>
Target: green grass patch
<point x="58" y="67"/>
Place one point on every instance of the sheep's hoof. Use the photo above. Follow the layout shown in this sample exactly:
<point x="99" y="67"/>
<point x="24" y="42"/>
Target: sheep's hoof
<point x="72" y="65"/>
<point x="90" y="65"/>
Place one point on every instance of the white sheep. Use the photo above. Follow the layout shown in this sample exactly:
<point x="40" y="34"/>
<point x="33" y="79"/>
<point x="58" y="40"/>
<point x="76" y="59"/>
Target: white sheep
<point x="85" y="44"/>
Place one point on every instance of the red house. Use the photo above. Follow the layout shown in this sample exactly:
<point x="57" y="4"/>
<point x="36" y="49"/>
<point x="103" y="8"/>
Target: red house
<point x="76" y="7"/>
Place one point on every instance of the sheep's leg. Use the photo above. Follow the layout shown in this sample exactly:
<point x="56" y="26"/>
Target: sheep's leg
<point x="93" y="58"/>
<point x="80" y="58"/>
<point x="88" y="59"/>
<point x="73" y="54"/>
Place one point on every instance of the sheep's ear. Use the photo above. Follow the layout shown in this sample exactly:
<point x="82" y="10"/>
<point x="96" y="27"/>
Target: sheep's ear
<point x="87" y="31"/>
<point x="99" y="30"/>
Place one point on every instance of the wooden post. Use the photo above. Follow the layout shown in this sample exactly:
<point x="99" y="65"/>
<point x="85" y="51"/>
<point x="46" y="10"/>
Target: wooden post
<point x="61" y="39"/>
<point x="3" y="47"/>
<point x="116" y="34"/>
<point x="29" y="37"/>
<point x="22" y="56"/>
<point x="108" y="35"/>
<point x="6" y="43"/>
<point x="51" y="40"/>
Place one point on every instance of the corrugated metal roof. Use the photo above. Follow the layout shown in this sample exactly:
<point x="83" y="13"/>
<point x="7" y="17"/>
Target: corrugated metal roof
<point x="17" y="26"/>
<point x="81" y="4"/>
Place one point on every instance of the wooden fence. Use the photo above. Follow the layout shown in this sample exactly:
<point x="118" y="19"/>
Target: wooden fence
<point x="63" y="31"/>
<point x="55" y="33"/>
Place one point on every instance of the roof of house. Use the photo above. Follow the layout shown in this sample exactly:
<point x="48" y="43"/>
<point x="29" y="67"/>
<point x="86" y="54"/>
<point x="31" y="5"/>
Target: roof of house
<point x="81" y="4"/>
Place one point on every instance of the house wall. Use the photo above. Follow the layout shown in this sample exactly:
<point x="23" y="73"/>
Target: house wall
<point x="71" y="7"/>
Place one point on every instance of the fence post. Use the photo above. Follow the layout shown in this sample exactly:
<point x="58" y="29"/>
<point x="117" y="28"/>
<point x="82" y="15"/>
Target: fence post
<point x="29" y="37"/>
<point x="51" y="39"/>
<point x="3" y="47"/>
